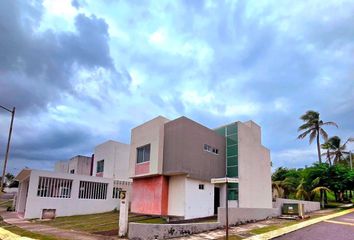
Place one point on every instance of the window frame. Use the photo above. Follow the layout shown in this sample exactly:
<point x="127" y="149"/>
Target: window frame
<point x="143" y="153"/>
<point x="97" y="166"/>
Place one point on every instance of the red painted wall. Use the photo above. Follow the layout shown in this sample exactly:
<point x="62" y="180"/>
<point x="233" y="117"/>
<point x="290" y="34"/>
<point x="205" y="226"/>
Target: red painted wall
<point x="142" y="168"/>
<point x="150" y="195"/>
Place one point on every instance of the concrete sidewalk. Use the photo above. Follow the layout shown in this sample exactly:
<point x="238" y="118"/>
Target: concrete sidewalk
<point x="13" y="219"/>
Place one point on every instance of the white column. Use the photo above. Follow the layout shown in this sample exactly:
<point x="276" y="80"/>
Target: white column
<point x="123" y="216"/>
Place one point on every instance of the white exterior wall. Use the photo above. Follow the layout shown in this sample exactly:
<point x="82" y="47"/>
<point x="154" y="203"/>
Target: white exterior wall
<point x="116" y="159"/>
<point x="67" y="206"/>
<point x="198" y="203"/>
<point x="176" y="196"/>
<point x="255" y="186"/>
<point x="61" y="166"/>
<point x="80" y="164"/>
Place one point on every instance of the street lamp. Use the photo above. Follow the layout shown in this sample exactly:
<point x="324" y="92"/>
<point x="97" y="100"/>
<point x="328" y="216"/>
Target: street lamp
<point x="8" y="145"/>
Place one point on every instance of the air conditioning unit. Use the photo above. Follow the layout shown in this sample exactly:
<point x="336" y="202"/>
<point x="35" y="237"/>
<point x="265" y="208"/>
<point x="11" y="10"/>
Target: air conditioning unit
<point x="293" y="209"/>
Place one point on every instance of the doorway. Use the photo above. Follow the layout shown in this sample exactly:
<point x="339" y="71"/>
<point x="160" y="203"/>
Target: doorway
<point x="216" y="199"/>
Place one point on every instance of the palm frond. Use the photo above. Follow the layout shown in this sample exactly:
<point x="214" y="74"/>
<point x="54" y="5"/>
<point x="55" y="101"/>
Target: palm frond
<point x="330" y="124"/>
<point x="316" y="181"/>
<point x="304" y="134"/>
<point x="319" y="189"/>
<point x="324" y="134"/>
<point x="310" y="116"/>
<point x="306" y="126"/>
<point x="313" y="136"/>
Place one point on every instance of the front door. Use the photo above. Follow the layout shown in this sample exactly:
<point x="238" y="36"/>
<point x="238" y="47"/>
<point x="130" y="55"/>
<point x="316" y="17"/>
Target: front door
<point x="216" y="199"/>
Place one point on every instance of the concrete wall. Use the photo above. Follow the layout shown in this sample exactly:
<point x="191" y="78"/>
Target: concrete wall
<point x="66" y="206"/>
<point x="184" y="151"/>
<point x="141" y="231"/>
<point x="255" y="187"/>
<point x="176" y="195"/>
<point x="116" y="160"/>
<point x="310" y="206"/>
<point x="198" y="203"/>
<point x="151" y="132"/>
<point x="243" y="215"/>
<point x="61" y="166"/>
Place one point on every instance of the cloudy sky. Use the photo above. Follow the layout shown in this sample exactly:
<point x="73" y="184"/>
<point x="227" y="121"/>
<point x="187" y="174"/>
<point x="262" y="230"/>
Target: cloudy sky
<point x="84" y="71"/>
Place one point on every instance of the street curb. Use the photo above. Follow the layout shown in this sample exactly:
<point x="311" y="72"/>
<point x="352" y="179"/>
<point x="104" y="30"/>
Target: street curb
<point x="7" y="235"/>
<point x="285" y="230"/>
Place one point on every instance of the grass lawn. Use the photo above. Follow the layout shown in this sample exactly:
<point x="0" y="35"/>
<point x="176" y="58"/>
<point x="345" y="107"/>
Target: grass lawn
<point x="25" y="233"/>
<point x="272" y="227"/>
<point x="5" y="203"/>
<point x="231" y="238"/>
<point x="105" y="223"/>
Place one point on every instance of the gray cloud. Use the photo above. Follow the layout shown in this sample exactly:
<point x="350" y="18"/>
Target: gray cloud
<point x="36" y="67"/>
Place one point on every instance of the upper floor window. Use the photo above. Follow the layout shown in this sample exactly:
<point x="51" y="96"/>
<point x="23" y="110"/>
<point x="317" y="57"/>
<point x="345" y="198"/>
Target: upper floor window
<point x="100" y="166"/>
<point x="208" y="148"/>
<point x="143" y="154"/>
<point x="72" y="171"/>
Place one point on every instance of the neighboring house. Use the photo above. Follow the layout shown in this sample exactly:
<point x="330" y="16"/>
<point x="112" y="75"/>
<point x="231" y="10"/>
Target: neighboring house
<point x="79" y="164"/>
<point x="64" y="194"/>
<point x="71" y="190"/>
<point x="111" y="160"/>
<point x="61" y="166"/>
<point x="172" y="164"/>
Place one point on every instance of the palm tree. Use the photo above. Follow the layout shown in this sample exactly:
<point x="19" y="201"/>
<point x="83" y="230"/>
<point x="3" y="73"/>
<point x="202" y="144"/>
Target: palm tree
<point x="327" y="146"/>
<point x="313" y="126"/>
<point x="336" y="149"/>
<point x="321" y="190"/>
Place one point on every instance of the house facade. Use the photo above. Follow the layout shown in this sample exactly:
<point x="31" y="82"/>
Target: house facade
<point x="172" y="164"/>
<point x="167" y="170"/>
<point x="79" y="164"/>
<point x="79" y="186"/>
<point x="111" y="160"/>
<point x="65" y="194"/>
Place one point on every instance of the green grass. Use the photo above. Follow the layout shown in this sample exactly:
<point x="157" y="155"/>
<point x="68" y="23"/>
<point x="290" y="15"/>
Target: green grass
<point x="273" y="227"/>
<point x="94" y="223"/>
<point x="6" y="203"/>
<point x="24" y="233"/>
<point x="233" y="237"/>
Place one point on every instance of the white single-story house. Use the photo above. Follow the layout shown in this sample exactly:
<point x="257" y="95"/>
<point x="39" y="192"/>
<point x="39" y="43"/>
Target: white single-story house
<point x="64" y="194"/>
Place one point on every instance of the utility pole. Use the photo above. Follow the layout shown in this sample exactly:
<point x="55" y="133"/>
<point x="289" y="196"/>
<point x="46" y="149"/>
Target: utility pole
<point x="8" y="145"/>
<point x="350" y="159"/>
<point x="227" y="211"/>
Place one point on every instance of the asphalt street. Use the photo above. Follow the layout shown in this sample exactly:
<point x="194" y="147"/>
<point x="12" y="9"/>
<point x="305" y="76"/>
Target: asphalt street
<point x="339" y="228"/>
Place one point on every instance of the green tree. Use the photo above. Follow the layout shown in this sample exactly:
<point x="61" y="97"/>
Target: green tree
<point x="313" y="127"/>
<point x="336" y="149"/>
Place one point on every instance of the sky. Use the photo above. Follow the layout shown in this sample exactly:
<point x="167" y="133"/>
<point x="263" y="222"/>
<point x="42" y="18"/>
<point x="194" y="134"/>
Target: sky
<point x="82" y="72"/>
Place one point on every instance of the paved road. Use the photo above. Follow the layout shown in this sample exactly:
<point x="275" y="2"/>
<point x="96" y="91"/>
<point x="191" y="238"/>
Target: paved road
<point x="339" y="228"/>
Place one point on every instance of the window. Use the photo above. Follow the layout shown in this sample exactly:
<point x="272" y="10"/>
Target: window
<point x="100" y="166"/>
<point x="210" y="149"/>
<point x="116" y="191"/>
<point x="201" y="186"/>
<point x="93" y="190"/>
<point x="143" y="154"/>
<point x="54" y="187"/>
<point x="72" y="171"/>
<point x="64" y="192"/>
